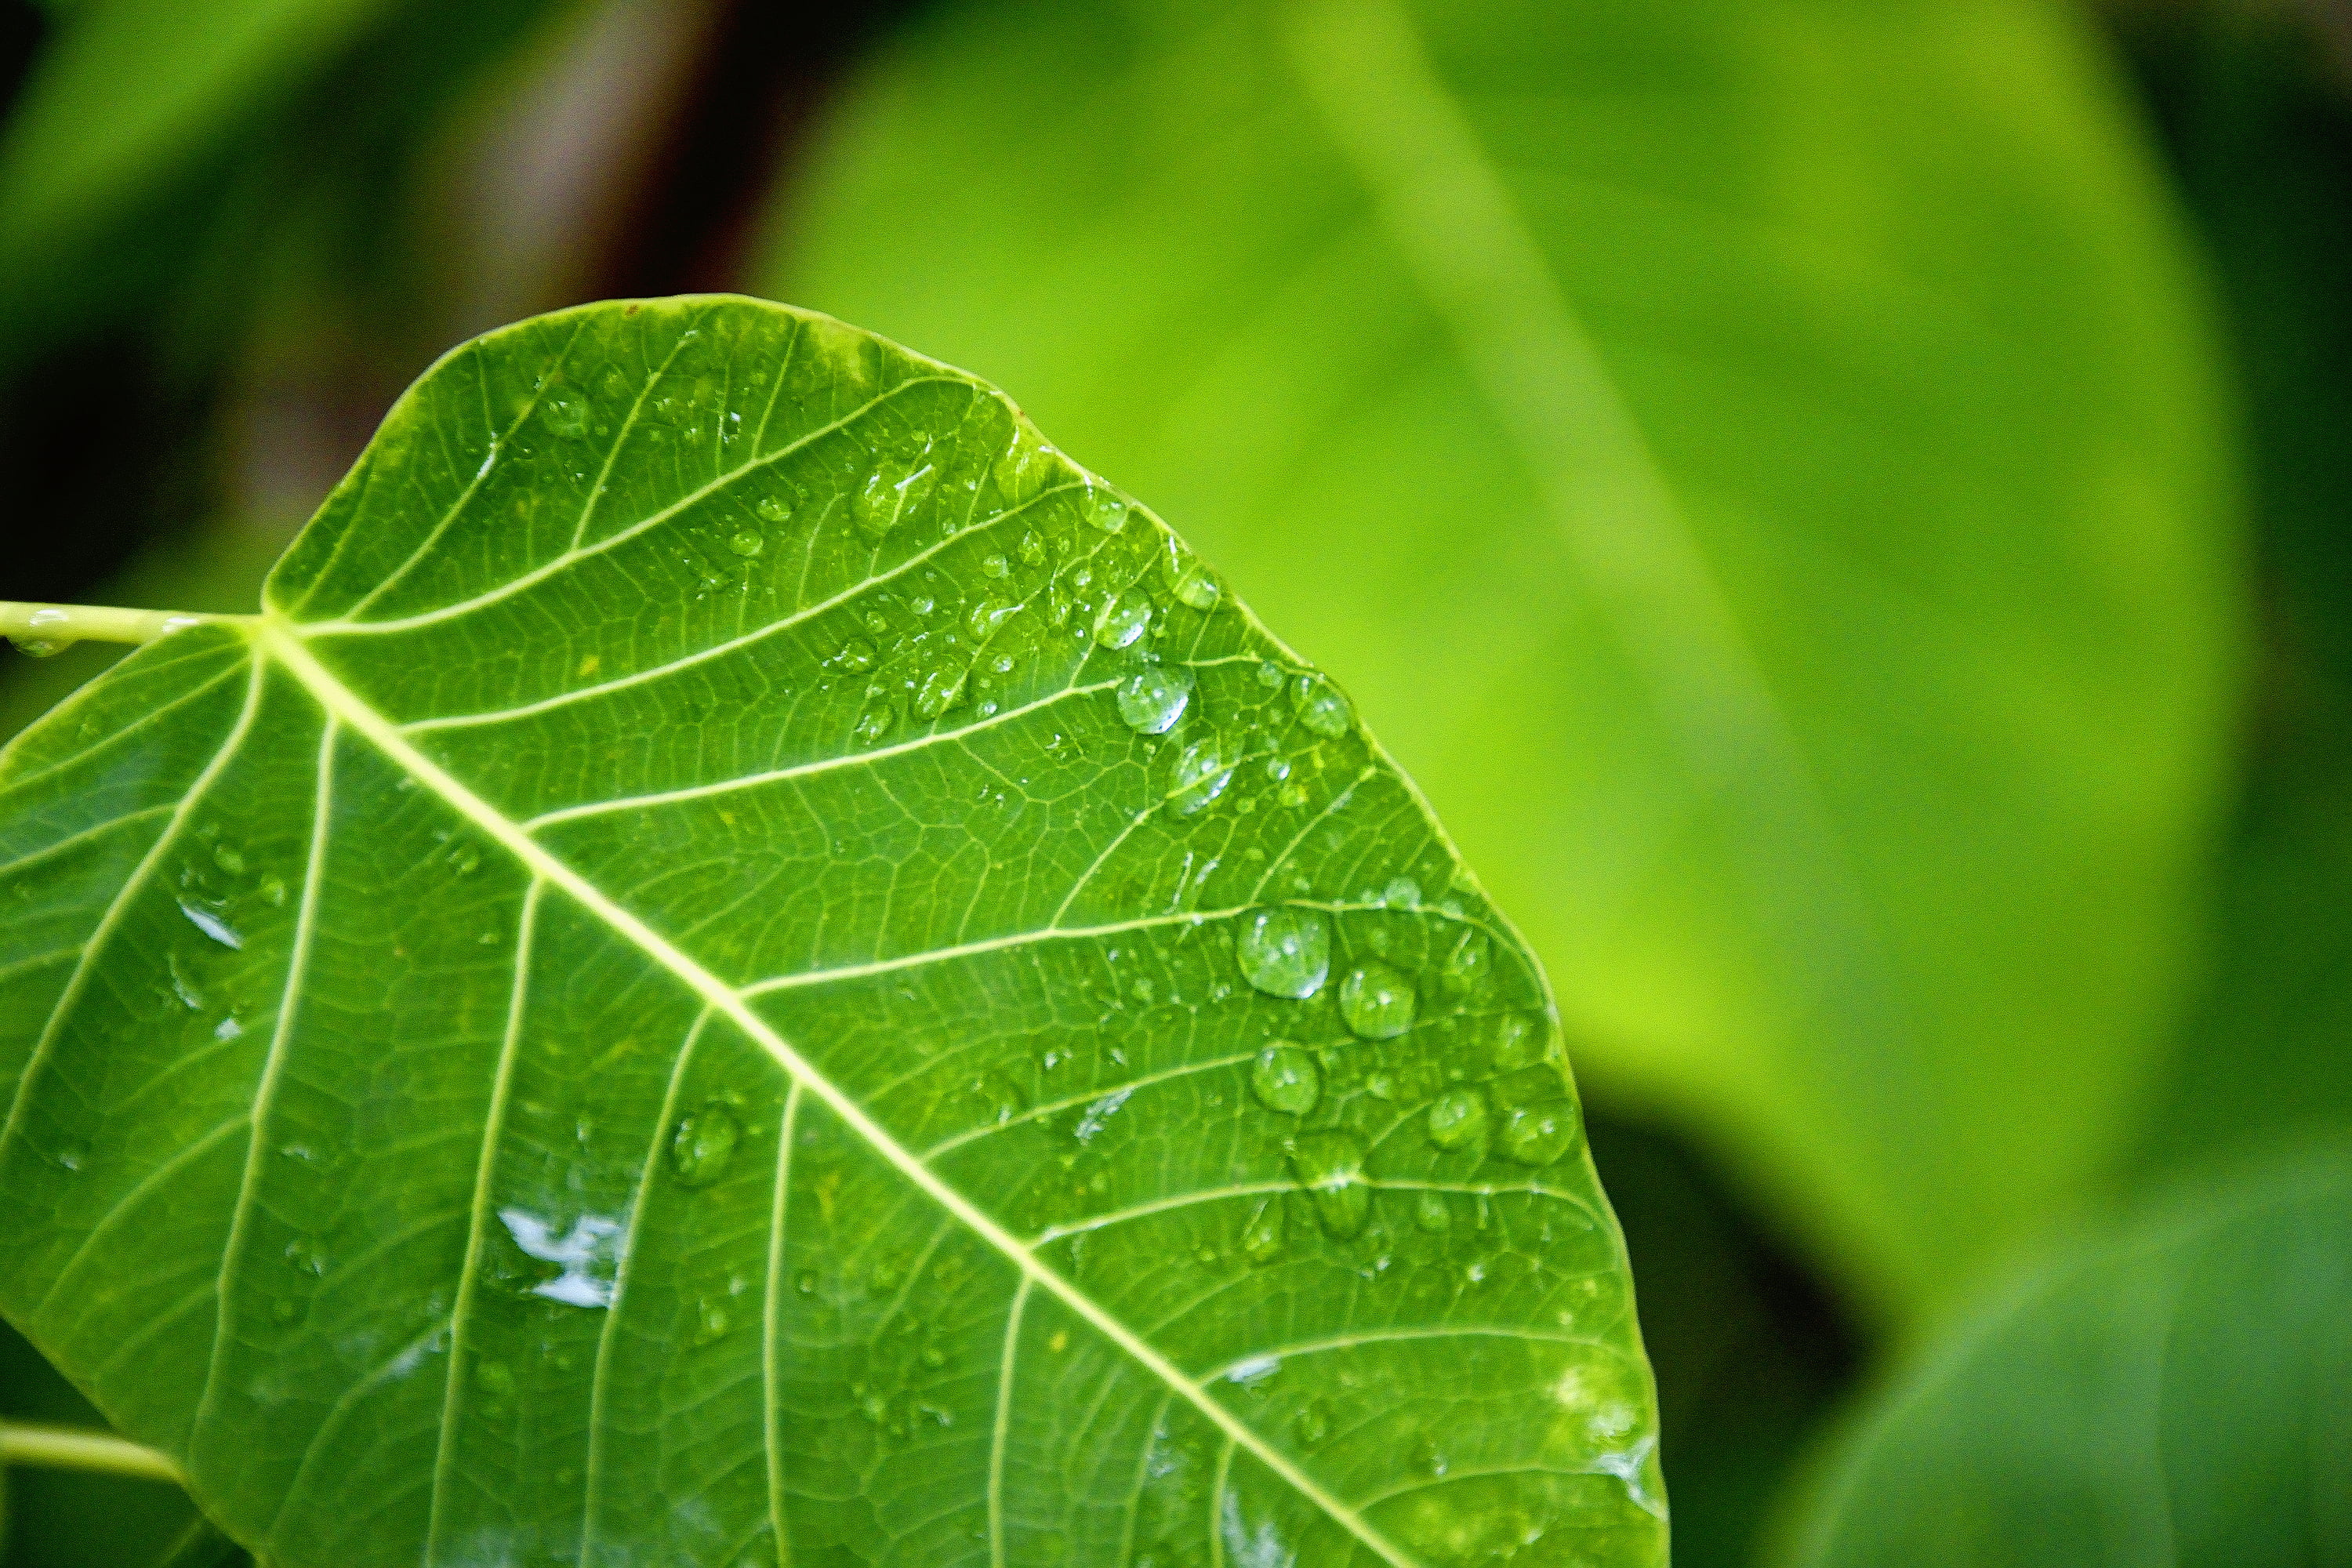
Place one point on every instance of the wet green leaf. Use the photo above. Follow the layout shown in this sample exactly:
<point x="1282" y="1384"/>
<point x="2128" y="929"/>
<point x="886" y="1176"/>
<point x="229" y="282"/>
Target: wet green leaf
<point x="572" y="1037"/>
<point x="1757" y="461"/>
<point x="2180" y="1393"/>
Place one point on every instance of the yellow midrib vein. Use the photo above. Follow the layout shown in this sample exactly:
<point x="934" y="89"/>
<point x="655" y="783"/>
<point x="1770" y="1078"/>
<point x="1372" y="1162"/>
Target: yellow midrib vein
<point x="339" y="700"/>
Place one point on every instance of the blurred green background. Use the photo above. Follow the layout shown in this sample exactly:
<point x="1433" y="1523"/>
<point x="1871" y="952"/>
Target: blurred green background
<point x="1846" y="510"/>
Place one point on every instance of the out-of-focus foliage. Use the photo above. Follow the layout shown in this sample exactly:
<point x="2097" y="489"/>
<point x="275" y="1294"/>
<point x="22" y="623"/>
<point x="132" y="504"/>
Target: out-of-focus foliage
<point x="2262" y="116"/>
<point x="2181" y="1394"/>
<point x="1821" y="615"/>
<point x="156" y="143"/>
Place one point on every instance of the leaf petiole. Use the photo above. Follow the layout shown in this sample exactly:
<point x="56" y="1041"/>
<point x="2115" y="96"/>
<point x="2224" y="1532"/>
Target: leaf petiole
<point x="78" y="1448"/>
<point x="46" y="628"/>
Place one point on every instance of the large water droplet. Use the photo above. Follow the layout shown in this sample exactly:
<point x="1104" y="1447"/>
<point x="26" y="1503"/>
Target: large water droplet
<point x="1285" y="951"/>
<point x="1153" y="698"/>
<point x="1330" y="1166"/>
<point x="1457" y="1118"/>
<point x="748" y="542"/>
<point x="704" y="1143"/>
<point x="1320" y="705"/>
<point x="1377" y="1000"/>
<point x="1286" y="1079"/>
<point x="39" y="647"/>
<point x="1430" y="1212"/>
<point x="772" y="509"/>
<point x="1122" y="619"/>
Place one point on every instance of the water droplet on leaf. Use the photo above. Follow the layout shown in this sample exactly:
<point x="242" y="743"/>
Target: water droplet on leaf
<point x="940" y="690"/>
<point x="705" y="1142"/>
<point x="1154" y="697"/>
<point x="874" y="723"/>
<point x="710" y="1321"/>
<point x="1540" y="1134"/>
<point x="1518" y="1042"/>
<point x="1457" y="1118"/>
<point x="1377" y="1001"/>
<point x="1284" y="951"/>
<point x="212" y="924"/>
<point x="1468" y="965"/>
<point x="1190" y="581"/>
<point x="999" y="1095"/>
<point x="1122" y="619"/>
<point x="1320" y="706"/>
<point x="1201" y="774"/>
<point x="985" y="615"/>
<point x="1106" y="512"/>
<point x="1286" y="1079"/>
<point x="564" y="415"/>
<point x="1330" y="1165"/>
<point x="1263" y="1237"/>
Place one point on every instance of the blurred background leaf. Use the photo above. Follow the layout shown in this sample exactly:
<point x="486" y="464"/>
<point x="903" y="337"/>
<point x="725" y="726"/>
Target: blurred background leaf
<point x="2181" y="1394"/>
<point x="1822" y="620"/>
<point x="1816" y="234"/>
<point x="2257" y="106"/>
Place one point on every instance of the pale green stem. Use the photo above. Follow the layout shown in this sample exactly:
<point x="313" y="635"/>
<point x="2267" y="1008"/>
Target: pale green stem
<point x="93" y="623"/>
<point x="77" y="1449"/>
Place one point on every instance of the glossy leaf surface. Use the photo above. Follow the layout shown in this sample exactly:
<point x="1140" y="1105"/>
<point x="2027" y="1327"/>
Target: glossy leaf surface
<point x="1811" y="598"/>
<point x="2179" y="1393"/>
<point x="745" y="964"/>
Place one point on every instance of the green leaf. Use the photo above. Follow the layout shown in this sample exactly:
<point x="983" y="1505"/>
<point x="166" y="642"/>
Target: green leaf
<point x="1757" y="461"/>
<point x="2180" y="1392"/>
<point x="687" y="991"/>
